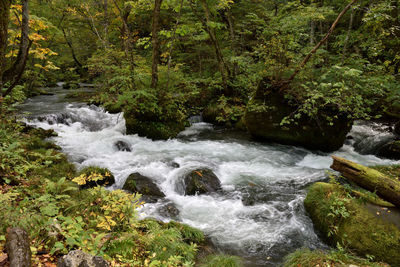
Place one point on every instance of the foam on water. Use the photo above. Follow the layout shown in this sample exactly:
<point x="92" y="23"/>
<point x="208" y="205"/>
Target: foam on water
<point x="259" y="215"/>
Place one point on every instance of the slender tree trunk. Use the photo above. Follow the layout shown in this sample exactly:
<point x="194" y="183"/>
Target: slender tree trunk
<point x="312" y="32"/>
<point x="69" y="43"/>
<point x="223" y="68"/>
<point x="4" y="19"/>
<point x="127" y="36"/>
<point x="346" y="41"/>
<point x="312" y="52"/>
<point x="233" y="40"/>
<point x="14" y="74"/>
<point x="155" y="43"/>
<point x="106" y="22"/>
<point x="172" y="44"/>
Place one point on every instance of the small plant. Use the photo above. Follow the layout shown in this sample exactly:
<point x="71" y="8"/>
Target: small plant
<point x="94" y="176"/>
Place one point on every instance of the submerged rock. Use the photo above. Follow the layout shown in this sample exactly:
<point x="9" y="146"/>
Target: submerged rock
<point x="397" y="128"/>
<point x="78" y="258"/>
<point x="269" y="107"/>
<point x="390" y="150"/>
<point x="137" y="183"/>
<point x="169" y="210"/>
<point x="350" y="223"/>
<point x="201" y="181"/>
<point x="152" y="128"/>
<point x="122" y="146"/>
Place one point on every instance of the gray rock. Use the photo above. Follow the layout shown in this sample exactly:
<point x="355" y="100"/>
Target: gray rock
<point x="137" y="183"/>
<point x="201" y="181"/>
<point x="169" y="210"/>
<point x="78" y="258"/>
<point x="122" y="146"/>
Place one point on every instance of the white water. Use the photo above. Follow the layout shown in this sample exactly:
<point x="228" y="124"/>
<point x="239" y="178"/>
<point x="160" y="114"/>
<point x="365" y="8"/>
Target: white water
<point x="259" y="215"/>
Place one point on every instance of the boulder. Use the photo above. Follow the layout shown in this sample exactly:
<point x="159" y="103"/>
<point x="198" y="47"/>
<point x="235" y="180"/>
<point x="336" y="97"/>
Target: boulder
<point x="78" y="258"/>
<point x="397" y="128"/>
<point x="352" y="224"/>
<point x="390" y="150"/>
<point x="153" y="129"/>
<point x="169" y="210"/>
<point x="122" y="146"/>
<point x="137" y="183"/>
<point x="201" y="181"/>
<point x="18" y="248"/>
<point x="269" y="107"/>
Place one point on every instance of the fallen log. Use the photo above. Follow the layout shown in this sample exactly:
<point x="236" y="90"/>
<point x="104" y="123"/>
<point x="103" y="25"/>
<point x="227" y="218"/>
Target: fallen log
<point x="18" y="248"/>
<point x="370" y="179"/>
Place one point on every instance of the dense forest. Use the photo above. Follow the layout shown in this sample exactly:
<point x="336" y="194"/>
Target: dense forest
<point x="287" y="83"/>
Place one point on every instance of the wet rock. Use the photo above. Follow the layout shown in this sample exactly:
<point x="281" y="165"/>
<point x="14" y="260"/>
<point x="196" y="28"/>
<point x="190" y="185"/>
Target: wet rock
<point x="175" y="165"/>
<point x="122" y="146"/>
<point x="18" y="248"/>
<point x="154" y="130"/>
<point x="352" y="224"/>
<point x="390" y="150"/>
<point x="137" y="183"/>
<point x="201" y="181"/>
<point x="78" y="258"/>
<point x="397" y="128"/>
<point x="269" y="107"/>
<point x="169" y="210"/>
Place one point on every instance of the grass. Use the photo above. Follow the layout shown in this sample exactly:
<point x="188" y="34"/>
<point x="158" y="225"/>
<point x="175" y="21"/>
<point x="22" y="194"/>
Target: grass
<point x="308" y="258"/>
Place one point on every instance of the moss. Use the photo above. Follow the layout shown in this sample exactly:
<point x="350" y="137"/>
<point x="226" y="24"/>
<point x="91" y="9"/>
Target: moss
<point x="189" y="234"/>
<point x="392" y="171"/>
<point x="344" y="220"/>
<point x="153" y="129"/>
<point x="306" y="257"/>
<point x="222" y="261"/>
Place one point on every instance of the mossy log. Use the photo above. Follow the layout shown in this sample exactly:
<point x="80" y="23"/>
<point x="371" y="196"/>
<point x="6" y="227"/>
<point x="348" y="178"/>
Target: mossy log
<point x="368" y="178"/>
<point x="18" y="248"/>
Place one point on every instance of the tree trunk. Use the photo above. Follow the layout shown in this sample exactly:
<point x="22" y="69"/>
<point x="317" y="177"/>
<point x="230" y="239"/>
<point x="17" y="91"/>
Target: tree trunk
<point x="18" y="248"/>
<point x="4" y="19"/>
<point x="346" y="41"/>
<point x="69" y="43"/>
<point x="14" y="74"/>
<point x="370" y="179"/>
<point x="155" y="43"/>
<point x="223" y="68"/>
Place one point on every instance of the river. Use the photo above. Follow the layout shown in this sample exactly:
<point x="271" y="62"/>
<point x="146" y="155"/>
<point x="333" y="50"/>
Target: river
<point x="258" y="216"/>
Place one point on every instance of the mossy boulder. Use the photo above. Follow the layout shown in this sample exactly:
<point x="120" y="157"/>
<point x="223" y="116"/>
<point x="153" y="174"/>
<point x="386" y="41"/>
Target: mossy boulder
<point x="269" y="107"/>
<point x="306" y="257"/>
<point x="201" y="181"/>
<point x="137" y="183"/>
<point x="93" y="176"/>
<point x="390" y="150"/>
<point x="155" y="130"/>
<point x="349" y="222"/>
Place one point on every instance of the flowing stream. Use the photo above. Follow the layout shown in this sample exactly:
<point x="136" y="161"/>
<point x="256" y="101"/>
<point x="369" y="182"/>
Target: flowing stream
<point x="260" y="214"/>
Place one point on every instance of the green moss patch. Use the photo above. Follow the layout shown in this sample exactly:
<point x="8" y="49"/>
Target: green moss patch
<point x="306" y="257"/>
<point x="344" y="220"/>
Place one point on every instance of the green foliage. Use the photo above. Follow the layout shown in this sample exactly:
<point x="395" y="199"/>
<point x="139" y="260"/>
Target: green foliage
<point x="221" y="261"/>
<point x="307" y="257"/>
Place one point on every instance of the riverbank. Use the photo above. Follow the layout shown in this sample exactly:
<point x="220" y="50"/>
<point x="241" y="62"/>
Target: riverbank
<point x="38" y="195"/>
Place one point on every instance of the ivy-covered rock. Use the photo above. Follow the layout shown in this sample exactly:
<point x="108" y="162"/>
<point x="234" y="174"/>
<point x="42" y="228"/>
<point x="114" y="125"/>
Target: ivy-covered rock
<point x="93" y="176"/>
<point x="201" y="181"/>
<point x="155" y="130"/>
<point x="390" y="150"/>
<point x="266" y="111"/>
<point x="137" y="183"/>
<point x="353" y="224"/>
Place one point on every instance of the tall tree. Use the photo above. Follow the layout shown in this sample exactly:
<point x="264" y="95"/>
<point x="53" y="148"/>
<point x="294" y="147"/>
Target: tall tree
<point x="14" y="73"/>
<point x="156" y="43"/>
<point x="4" y="19"/>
